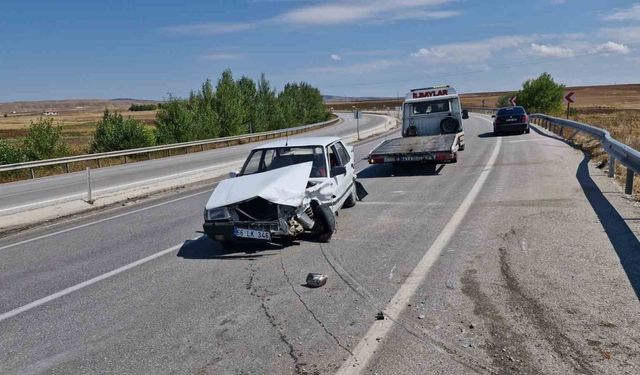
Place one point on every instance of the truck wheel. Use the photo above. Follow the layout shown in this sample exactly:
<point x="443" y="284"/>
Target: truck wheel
<point x="351" y="199"/>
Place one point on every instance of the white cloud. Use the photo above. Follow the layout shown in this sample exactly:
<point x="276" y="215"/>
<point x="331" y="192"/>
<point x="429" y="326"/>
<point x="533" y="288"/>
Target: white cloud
<point x="330" y="13"/>
<point x="335" y="57"/>
<point x="471" y="52"/>
<point x="622" y="34"/>
<point x="212" y="28"/>
<point x="354" y="69"/>
<point x="219" y="56"/>
<point x="632" y="13"/>
<point x="611" y="48"/>
<point x="551" y="51"/>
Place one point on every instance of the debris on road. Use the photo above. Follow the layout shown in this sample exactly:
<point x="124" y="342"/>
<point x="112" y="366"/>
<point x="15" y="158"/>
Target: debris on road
<point x="421" y="316"/>
<point x="380" y="316"/>
<point x="361" y="192"/>
<point x="316" y="280"/>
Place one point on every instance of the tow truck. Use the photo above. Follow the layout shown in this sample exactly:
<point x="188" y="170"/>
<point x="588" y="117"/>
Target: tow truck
<point x="432" y="131"/>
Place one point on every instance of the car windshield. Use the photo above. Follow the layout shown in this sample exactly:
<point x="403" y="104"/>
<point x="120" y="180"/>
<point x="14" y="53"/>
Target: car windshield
<point x="422" y="108"/>
<point x="273" y="158"/>
<point x="511" y="111"/>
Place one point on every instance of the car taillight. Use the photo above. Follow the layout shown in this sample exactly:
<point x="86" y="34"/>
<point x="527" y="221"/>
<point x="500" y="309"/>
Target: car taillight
<point x="376" y="160"/>
<point x="442" y="156"/>
<point x="499" y="120"/>
<point x="524" y="118"/>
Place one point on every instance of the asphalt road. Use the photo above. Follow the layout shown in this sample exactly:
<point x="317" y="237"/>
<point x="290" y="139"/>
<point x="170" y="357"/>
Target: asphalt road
<point x="28" y="194"/>
<point x="511" y="261"/>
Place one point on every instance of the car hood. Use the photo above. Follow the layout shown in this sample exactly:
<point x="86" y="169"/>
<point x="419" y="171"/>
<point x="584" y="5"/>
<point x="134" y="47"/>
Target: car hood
<point x="281" y="186"/>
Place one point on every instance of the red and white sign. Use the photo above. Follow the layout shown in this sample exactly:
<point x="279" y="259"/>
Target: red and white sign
<point x="569" y="97"/>
<point x="512" y="101"/>
<point x="429" y="93"/>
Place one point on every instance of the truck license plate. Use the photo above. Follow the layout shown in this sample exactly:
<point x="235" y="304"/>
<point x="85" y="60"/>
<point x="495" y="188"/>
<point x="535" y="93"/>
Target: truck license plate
<point x="252" y="233"/>
<point x="414" y="158"/>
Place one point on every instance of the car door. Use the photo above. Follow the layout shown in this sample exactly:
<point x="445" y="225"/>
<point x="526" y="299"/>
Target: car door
<point x="345" y="182"/>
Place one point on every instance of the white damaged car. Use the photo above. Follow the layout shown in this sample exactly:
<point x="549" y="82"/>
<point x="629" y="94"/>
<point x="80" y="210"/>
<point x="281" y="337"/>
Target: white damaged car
<point x="284" y="189"/>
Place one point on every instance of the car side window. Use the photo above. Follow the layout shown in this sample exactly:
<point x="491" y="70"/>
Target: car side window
<point x="334" y="159"/>
<point x="253" y="164"/>
<point x="343" y="153"/>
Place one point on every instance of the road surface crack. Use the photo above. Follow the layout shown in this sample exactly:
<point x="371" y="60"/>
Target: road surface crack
<point x="313" y="315"/>
<point x="272" y="320"/>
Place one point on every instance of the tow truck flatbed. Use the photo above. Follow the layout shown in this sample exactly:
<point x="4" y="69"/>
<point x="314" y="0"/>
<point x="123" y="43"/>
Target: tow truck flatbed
<point x="440" y="148"/>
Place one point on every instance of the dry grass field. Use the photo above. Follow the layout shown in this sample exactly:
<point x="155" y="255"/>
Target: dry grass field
<point x="77" y="117"/>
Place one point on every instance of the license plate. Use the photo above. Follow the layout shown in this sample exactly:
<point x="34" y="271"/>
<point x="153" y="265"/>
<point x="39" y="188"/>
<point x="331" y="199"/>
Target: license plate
<point x="512" y="119"/>
<point x="415" y="158"/>
<point x="252" y="233"/>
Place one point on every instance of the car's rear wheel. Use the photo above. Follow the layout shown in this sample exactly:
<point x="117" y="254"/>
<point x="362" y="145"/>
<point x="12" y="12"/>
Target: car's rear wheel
<point x="528" y="130"/>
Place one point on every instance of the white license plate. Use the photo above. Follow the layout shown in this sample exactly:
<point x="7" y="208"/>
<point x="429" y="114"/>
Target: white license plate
<point x="252" y="233"/>
<point x="512" y="119"/>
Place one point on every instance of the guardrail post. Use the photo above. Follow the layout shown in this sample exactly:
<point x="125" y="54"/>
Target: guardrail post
<point x="33" y="174"/>
<point x="628" y="188"/>
<point x="99" y="164"/>
<point x="149" y="155"/>
<point x="612" y="166"/>
<point x="89" y="197"/>
<point x="125" y="159"/>
<point x="66" y="167"/>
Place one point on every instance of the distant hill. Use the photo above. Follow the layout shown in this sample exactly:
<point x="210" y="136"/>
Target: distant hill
<point x="71" y="105"/>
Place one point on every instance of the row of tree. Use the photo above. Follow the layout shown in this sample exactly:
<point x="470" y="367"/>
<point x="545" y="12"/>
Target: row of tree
<point x="231" y="108"/>
<point x="238" y="107"/>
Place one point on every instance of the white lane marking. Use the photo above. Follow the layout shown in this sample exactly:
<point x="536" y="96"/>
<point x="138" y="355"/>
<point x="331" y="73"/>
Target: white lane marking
<point x="391" y="273"/>
<point x="370" y="343"/>
<point x="117" y="187"/>
<point x="101" y="220"/>
<point x="84" y="284"/>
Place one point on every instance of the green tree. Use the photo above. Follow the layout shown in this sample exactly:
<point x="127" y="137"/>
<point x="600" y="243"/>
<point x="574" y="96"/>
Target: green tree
<point x="542" y="95"/>
<point x="9" y="153"/>
<point x="44" y="141"/>
<point x="249" y="94"/>
<point x="231" y="110"/>
<point x="268" y="114"/>
<point x="114" y="133"/>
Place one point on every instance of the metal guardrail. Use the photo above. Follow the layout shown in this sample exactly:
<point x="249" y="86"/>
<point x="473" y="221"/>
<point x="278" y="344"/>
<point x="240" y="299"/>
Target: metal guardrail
<point x="616" y="150"/>
<point x="66" y="161"/>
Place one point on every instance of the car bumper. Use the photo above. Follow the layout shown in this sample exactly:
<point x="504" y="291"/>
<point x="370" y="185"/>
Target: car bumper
<point x="223" y="230"/>
<point x="511" y="127"/>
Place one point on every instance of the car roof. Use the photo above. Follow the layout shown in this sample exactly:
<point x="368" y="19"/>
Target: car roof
<point x="299" y="142"/>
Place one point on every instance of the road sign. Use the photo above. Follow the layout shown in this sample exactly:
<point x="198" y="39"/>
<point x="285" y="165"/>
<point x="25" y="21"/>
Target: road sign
<point x="512" y="101"/>
<point x="569" y="98"/>
<point x="356" y="115"/>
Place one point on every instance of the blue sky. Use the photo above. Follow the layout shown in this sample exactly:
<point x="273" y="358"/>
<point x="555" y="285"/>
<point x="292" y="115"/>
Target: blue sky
<point x="146" y="49"/>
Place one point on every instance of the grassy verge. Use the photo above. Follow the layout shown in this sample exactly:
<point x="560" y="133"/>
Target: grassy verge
<point x="623" y="125"/>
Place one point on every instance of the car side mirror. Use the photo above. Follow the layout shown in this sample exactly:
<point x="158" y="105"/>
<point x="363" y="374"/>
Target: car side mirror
<point x="493" y="116"/>
<point x="337" y="171"/>
<point x="234" y="174"/>
<point x="465" y="114"/>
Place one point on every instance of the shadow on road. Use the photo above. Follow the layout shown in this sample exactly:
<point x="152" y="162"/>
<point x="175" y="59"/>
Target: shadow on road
<point x="492" y="135"/>
<point x="401" y="170"/>
<point x="622" y="238"/>
<point x="204" y="248"/>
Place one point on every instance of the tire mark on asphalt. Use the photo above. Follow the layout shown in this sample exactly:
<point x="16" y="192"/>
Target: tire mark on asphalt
<point x="550" y="332"/>
<point x="500" y="333"/>
<point x="430" y="339"/>
<point x="324" y="327"/>
<point x="272" y="320"/>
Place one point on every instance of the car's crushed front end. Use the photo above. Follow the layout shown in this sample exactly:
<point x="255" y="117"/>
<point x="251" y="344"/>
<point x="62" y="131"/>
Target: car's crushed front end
<point x="269" y="206"/>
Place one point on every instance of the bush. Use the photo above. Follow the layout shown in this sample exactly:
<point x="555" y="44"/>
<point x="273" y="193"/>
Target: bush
<point x="143" y="107"/>
<point x="115" y="133"/>
<point x="44" y="141"/>
<point x="9" y="154"/>
<point x="541" y="95"/>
